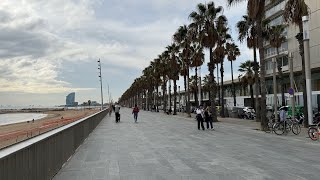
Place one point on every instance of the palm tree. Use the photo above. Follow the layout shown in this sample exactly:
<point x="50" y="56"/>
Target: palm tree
<point x="156" y="70"/>
<point x="232" y="53"/>
<point x="247" y="31"/>
<point x="248" y="77"/>
<point x="174" y="68"/>
<point x="193" y="86"/>
<point x="183" y="39"/>
<point x="256" y="11"/>
<point x="276" y="38"/>
<point x="293" y="13"/>
<point x="164" y="72"/>
<point x="220" y="52"/>
<point x="205" y="19"/>
<point x="206" y="84"/>
<point x="196" y="61"/>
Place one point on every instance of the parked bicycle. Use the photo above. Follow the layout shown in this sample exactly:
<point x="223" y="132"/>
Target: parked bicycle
<point x="314" y="132"/>
<point x="284" y="127"/>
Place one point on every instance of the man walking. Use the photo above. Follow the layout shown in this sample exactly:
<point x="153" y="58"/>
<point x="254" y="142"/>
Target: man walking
<point x="199" y="117"/>
<point x="135" y="112"/>
<point x="117" y="112"/>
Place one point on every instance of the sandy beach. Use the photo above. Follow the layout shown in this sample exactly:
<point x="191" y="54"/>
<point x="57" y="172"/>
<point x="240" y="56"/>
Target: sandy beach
<point x="13" y="133"/>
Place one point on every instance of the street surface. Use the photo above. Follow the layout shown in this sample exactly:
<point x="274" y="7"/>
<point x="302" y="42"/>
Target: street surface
<point x="171" y="147"/>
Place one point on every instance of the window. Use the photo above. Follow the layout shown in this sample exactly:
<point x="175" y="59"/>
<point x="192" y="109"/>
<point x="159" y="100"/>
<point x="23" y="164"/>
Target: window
<point x="269" y="64"/>
<point x="273" y="51"/>
<point x="283" y="60"/>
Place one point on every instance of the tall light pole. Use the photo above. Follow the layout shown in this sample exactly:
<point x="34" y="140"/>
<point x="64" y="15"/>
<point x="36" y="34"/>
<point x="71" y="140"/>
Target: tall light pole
<point x="274" y="61"/>
<point x="99" y="67"/>
<point x="306" y="37"/>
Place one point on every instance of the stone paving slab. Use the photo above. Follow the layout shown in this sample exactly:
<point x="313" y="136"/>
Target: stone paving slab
<point x="164" y="147"/>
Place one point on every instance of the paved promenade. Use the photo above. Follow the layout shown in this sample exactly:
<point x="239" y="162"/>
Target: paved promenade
<point x="170" y="147"/>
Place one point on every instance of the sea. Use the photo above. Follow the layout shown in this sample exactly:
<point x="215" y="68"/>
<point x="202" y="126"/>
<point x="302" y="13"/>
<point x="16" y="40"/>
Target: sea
<point x="11" y="118"/>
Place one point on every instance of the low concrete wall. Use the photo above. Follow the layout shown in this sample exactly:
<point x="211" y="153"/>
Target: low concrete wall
<point x="42" y="157"/>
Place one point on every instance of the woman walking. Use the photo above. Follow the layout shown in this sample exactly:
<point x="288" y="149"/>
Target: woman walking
<point x="199" y="117"/>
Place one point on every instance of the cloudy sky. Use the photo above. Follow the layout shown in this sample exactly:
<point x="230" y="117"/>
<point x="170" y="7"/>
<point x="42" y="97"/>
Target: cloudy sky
<point x="50" y="48"/>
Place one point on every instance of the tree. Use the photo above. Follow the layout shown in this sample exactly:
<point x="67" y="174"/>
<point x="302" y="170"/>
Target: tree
<point x="293" y="13"/>
<point x="248" y="77"/>
<point x="193" y="85"/>
<point x="220" y="52"/>
<point x="247" y="31"/>
<point x="256" y="11"/>
<point x="232" y="53"/>
<point x="173" y="74"/>
<point x="205" y="19"/>
<point x="276" y="38"/>
<point x="183" y="39"/>
<point x="196" y="61"/>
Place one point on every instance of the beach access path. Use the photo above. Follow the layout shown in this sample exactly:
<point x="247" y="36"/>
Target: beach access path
<point x="171" y="147"/>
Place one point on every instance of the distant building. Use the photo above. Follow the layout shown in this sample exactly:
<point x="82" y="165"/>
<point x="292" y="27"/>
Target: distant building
<point x="70" y="99"/>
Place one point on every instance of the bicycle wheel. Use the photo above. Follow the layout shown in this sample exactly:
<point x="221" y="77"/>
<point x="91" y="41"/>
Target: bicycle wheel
<point x="313" y="133"/>
<point x="279" y="128"/>
<point x="296" y="129"/>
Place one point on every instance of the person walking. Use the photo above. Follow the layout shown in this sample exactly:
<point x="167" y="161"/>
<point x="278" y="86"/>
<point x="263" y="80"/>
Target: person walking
<point x="199" y="117"/>
<point x="117" y="112"/>
<point x="208" y="118"/>
<point x="135" y="112"/>
<point x="110" y="109"/>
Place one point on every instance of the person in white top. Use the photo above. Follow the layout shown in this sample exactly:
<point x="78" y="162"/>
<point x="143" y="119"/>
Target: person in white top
<point x="200" y="117"/>
<point x="117" y="112"/>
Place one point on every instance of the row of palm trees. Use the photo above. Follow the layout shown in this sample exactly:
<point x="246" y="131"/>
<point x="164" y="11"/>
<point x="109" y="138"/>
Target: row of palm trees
<point x="209" y="30"/>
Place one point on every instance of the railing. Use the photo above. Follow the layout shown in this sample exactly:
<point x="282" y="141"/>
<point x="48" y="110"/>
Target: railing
<point x="42" y="157"/>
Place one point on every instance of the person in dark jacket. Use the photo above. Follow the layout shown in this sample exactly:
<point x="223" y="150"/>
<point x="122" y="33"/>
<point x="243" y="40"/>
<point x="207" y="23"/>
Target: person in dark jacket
<point x="135" y="112"/>
<point x="208" y="118"/>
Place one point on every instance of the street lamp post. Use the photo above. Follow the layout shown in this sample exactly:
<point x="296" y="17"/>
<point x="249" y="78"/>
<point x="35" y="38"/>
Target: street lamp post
<point x="274" y="61"/>
<point x="306" y="37"/>
<point x="99" y="67"/>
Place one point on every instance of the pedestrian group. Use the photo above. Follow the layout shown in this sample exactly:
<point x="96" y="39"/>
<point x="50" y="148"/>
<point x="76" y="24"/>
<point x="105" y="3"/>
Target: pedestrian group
<point x="203" y="115"/>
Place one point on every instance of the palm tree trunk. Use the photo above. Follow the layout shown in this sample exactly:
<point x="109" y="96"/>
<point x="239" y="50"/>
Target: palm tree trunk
<point x="157" y="99"/>
<point x="212" y="95"/>
<point x="175" y="97"/>
<point x="262" y="73"/>
<point x="251" y="93"/>
<point x="200" y="84"/>
<point x="188" y="92"/>
<point x="233" y="88"/>
<point x="195" y="91"/>
<point x="164" y="95"/>
<point x="279" y="65"/>
<point x="256" y="84"/>
<point x="218" y="87"/>
<point x="170" y="103"/>
<point x="222" y="90"/>
<point x="185" y="90"/>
